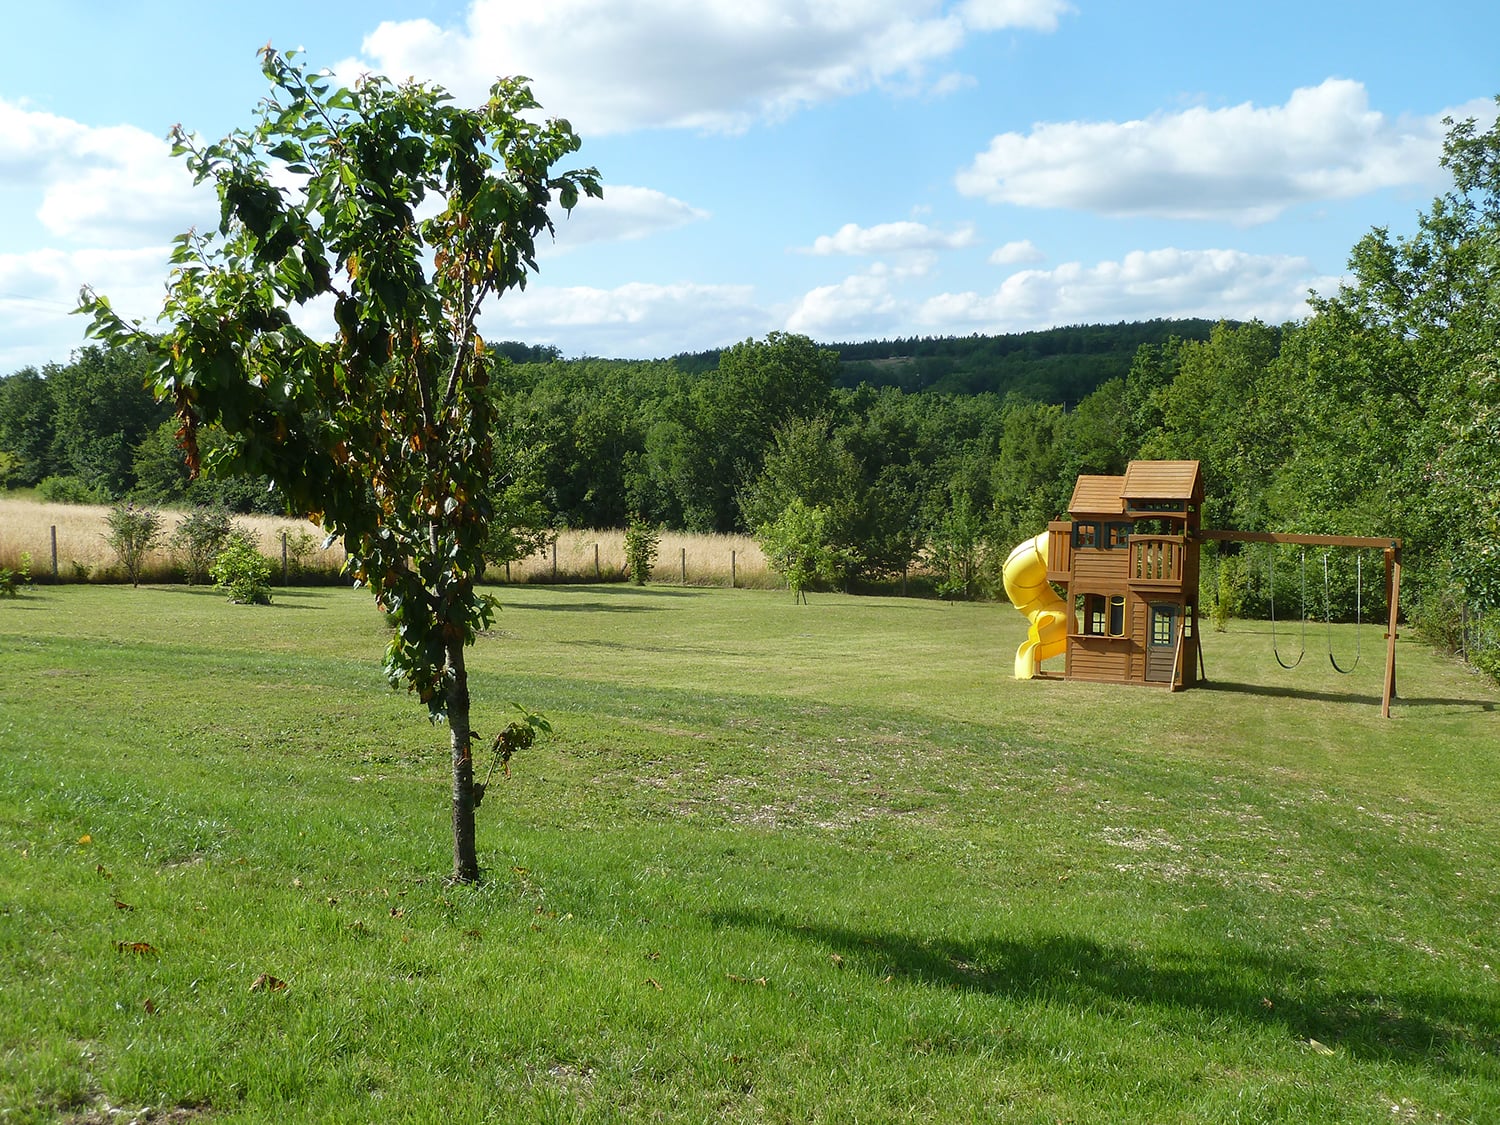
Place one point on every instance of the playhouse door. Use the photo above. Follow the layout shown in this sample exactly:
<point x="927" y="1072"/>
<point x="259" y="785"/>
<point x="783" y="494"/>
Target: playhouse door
<point x="1161" y="642"/>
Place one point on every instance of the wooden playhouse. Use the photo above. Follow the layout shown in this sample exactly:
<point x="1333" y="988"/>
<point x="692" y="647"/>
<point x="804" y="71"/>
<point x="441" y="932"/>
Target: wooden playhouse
<point x="1126" y="563"/>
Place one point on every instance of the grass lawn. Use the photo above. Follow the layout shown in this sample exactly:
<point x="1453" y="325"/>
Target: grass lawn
<point x="778" y="863"/>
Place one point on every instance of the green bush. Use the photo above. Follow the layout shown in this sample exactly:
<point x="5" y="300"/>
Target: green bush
<point x="1230" y="589"/>
<point x="132" y="533"/>
<point x="642" y="540"/>
<point x="200" y="537"/>
<point x="798" y="547"/>
<point x="71" y="490"/>
<point x="11" y="581"/>
<point x="241" y="569"/>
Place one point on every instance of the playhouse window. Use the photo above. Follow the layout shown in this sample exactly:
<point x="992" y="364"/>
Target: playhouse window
<point x="1117" y="536"/>
<point x="1094" y="615"/>
<point x="1085" y="535"/>
<point x="1117" y="615"/>
<point x="1164" y="625"/>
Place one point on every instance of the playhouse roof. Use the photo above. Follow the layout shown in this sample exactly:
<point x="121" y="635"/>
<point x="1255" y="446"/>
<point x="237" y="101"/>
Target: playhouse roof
<point x="1098" y="496"/>
<point x="1162" y="480"/>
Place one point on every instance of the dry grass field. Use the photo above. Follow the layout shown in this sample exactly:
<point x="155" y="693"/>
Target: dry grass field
<point x="26" y="528"/>
<point x="83" y="555"/>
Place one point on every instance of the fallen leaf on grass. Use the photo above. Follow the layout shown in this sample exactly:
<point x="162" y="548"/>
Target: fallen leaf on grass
<point x="652" y="981"/>
<point x="149" y="1006"/>
<point x="266" y="982"/>
<point x="838" y="962"/>
<point x="123" y="905"/>
<point x="1321" y="1048"/>
<point x="85" y="839"/>
<point x="762" y="981"/>
<point x="141" y="947"/>
<point x="100" y="871"/>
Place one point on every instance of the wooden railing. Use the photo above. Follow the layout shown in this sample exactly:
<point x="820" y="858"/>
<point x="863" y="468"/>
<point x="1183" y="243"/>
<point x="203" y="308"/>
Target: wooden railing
<point x="1156" y="560"/>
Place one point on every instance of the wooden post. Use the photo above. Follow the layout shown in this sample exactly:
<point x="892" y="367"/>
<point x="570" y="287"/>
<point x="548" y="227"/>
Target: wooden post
<point x="554" y="560"/>
<point x="1393" y="597"/>
<point x="731" y="570"/>
<point x="284" y="569"/>
<point x="684" y="566"/>
<point x="597" y="573"/>
<point x="54" y="552"/>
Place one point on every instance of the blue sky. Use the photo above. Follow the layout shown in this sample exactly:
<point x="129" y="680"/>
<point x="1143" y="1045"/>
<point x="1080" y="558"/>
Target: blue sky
<point x="851" y="170"/>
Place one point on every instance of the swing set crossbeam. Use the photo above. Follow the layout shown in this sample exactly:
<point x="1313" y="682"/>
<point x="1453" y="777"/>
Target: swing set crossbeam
<point x="1392" y="549"/>
<point x="1300" y="540"/>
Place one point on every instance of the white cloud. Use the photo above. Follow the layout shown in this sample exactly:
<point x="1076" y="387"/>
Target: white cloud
<point x="993" y="15"/>
<point x="862" y="304"/>
<point x="1020" y="253"/>
<point x="624" y="214"/>
<point x="111" y="186"/>
<point x="636" y="319"/>
<point x="714" y="65"/>
<point x="1142" y="285"/>
<point x="39" y="289"/>
<point x="1246" y="164"/>
<point x="891" y="238"/>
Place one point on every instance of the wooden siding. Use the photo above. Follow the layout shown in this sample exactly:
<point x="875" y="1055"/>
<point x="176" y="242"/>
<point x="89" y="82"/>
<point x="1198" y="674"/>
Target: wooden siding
<point x="1099" y="659"/>
<point x="1097" y="571"/>
<point x="1060" y="551"/>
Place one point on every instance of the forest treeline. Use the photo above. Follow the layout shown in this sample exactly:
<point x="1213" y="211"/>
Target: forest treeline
<point x="1379" y="414"/>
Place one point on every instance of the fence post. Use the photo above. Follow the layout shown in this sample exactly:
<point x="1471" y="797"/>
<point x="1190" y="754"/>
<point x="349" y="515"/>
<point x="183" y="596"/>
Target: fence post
<point x="684" y="566"/>
<point x="554" y="560"/>
<point x="54" y="552"/>
<point x="598" y="574"/>
<point x="284" y="570"/>
<point x="731" y="570"/>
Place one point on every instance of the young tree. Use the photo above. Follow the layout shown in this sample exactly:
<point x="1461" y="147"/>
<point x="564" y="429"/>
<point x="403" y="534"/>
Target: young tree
<point x="401" y="214"/>
<point x="798" y="546"/>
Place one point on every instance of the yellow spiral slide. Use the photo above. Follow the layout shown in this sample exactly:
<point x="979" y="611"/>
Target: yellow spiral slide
<point x="1026" y="586"/>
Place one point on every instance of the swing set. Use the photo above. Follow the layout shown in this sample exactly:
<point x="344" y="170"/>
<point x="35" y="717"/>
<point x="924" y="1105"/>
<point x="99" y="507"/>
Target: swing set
<point x="1392" y="551"/>
<point x="1327" y="613"/>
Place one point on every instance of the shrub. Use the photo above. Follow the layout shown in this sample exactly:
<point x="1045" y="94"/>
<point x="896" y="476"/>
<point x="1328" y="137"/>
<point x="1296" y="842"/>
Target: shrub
<point x="300" y="545"/>
<point x="642" y="540"/>
<point x="11" y="581"/>
<point x="200" y="537"/>
<point x="241" y="569"/>
<point x="798" y="547"/>
<point x="1232" y="585"/>
<point x="71" y="490"/>
<point x="132" y="533"/>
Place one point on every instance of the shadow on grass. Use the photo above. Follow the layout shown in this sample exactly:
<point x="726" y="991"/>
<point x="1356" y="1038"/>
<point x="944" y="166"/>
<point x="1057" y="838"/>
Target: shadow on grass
<point x="1401" y="1024"/>
<point x="1340" y="697"/>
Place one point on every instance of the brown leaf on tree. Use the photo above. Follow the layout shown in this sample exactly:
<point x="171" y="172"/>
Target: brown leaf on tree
<point x="267" y="983"/>
<point x="137" y="947"/>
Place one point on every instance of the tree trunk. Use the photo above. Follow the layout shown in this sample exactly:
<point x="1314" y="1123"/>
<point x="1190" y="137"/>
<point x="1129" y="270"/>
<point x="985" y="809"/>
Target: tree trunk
<point x="465" y="856"/>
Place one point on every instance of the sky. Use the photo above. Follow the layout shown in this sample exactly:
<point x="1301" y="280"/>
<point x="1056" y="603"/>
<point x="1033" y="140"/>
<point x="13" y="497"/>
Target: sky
<point x="847" y="169"/>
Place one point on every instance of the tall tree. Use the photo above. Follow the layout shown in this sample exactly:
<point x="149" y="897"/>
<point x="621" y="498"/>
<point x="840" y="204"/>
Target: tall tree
<point x="405" y="214"/>
<point x="27" y="413"/>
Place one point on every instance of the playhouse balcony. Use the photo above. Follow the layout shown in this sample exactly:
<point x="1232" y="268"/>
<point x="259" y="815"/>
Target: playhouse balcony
<point x="1157" y="562"/>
